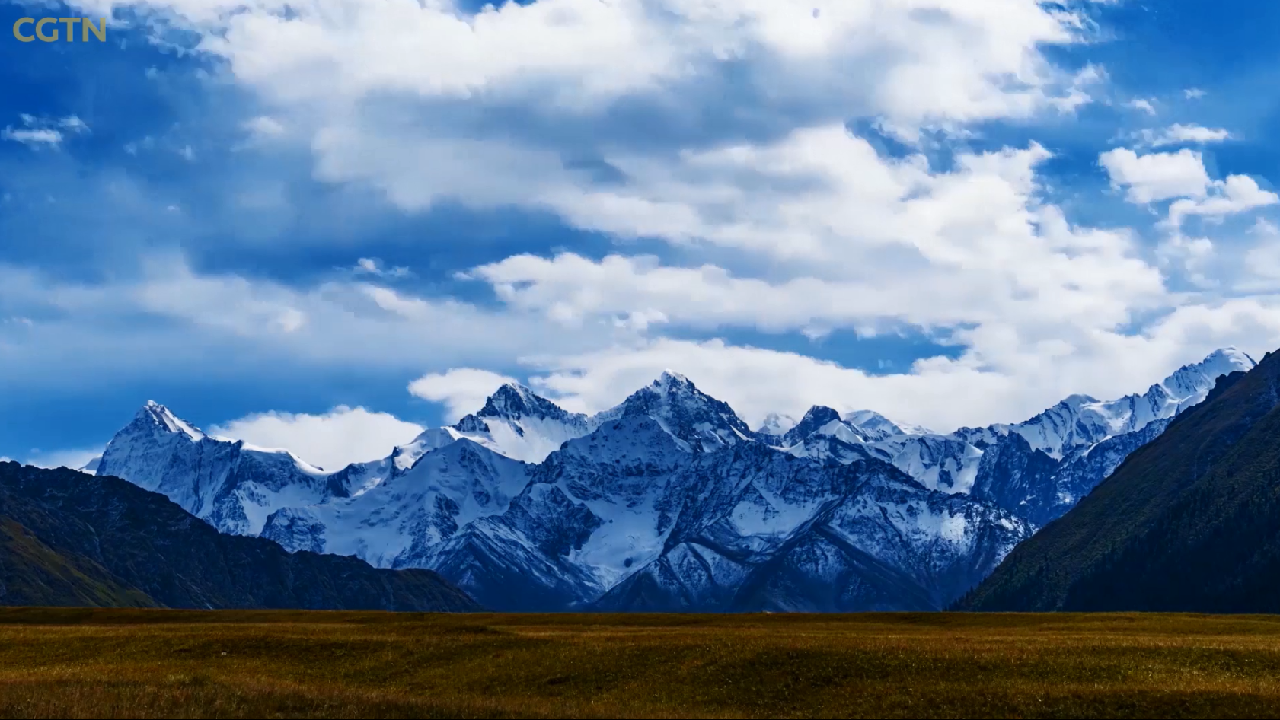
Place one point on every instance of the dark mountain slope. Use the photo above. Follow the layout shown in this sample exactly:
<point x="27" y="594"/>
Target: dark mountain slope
<point x="1190" y="522"/>
<point x="72" y="539"/>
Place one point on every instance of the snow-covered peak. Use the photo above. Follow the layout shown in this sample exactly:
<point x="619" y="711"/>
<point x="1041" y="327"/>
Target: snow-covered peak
<point x="636" y="440"/>
<point x="817" y="418"/>
<point x="404" y="456"/>
<point x="1195" y="380"/>
<point x="1077" y="400"/>
<point x="1080" y="421"/>
<point x="158" y="417"/>
<point x="874" y="426"/>
<point x="283" y="453"/>
<point x="684" y="411"/>
<point x="670" y="378"/>
<point x="776" y="424"/>
<point x="515" y="422"/>
<point x="513" y="401"/>
<point x="91" y="467"/>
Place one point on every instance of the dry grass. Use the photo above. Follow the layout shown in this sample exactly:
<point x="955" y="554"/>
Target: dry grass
<point x="140" y="663"/>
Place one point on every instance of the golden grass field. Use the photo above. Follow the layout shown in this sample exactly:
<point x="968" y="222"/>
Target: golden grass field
<point x="163" y="663"/>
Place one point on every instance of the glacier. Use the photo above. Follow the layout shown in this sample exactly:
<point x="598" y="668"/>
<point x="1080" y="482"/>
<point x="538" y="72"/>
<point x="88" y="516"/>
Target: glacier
<point x="669" y="501"/>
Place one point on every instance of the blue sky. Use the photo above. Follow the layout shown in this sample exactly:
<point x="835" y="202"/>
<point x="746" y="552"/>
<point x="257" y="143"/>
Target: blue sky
<point x="327" y="228"/>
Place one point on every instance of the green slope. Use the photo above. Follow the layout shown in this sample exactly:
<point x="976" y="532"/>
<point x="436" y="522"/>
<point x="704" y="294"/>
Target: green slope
<point x="1189" y="522"/>
<point x="32" y="573"/>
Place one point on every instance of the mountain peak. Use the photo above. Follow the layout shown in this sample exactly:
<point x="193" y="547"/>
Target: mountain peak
<point x="873" y="425"/>
<point x="1226" y="360"/>
<point x="514" y="401"/>
<point x="818" y="417"/>
<point x="1075" y="400"/>
<point x="1194" y="380"/>
<point x="161" y="418"/>
<point x="684" y="411"/>
<point x="671" y="379"/>
<point x="820" y="414"/>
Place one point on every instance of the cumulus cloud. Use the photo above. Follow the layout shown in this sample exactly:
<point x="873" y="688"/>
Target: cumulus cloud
<point x="1156" y="176"/>
<point x="586" y="52"/>
<point x="1165" y="176"/>
<point x="460" y="390"/>
<point x="1188" y="255"/>
<point x="785" y="220"/>
<point x="565" y="67"/>
<point x="1261" y="271"/>
<point x="333" y="440"/>
<point x="1236" y="194"/>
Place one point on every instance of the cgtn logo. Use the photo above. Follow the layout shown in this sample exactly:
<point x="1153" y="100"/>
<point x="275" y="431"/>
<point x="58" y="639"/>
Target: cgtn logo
<point x="31" y="29"/>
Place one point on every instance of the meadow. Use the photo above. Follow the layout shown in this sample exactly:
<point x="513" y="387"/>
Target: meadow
<point x="188" y="664"/>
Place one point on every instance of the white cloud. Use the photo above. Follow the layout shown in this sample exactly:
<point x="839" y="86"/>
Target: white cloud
<point x="253" y="326"/>
<point x="1191" y="256"/>
<point x="460" y="390"/>
<point x="1237" y="194"/>
<point x="920" y="63"/>
<point x="806" y="226"/>
<point x="342" y="436"/>
<point x="1093" y="287"/>
<point x="1183" y="135"/>
<point x="264" y="127"/>
<point x="1261" y="270"/>
<point x="1156" y="176"/>
<point x="373" y="266"/>
<point x="43" y="132"/>
<point x="33" y="137"/>
<point x="756" y="381"/>
<point x="938" y="57"/>
<point x="73" y="124"/>
<point x="1194" y="93"/>
<point x="73" y="459"/>
<point x="1143" y="105"/>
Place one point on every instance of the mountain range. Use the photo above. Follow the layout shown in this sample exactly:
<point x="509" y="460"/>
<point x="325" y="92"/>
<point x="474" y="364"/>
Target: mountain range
<point x="68" y="539"/>
<point x="669" y="501"/>
<point x="1187" y="523"/>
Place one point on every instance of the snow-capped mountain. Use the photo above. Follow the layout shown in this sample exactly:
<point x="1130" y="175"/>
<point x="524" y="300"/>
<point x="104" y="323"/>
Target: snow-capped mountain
<point x="669" y="501"/>
<point x="513" y="422"/>
<point x="231" y="485"/>
<point x="410" y="511"/>
<point x="1038" y="468"/>
<point x="753" y="529"/>
<point x="696" y="420"/>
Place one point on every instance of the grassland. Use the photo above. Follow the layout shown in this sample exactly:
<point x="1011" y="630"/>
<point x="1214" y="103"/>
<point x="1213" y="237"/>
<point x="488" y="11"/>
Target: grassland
<point x="159" y="663"/>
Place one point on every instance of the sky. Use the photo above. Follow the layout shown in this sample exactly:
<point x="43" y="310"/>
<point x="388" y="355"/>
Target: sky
<point x="326" y="224"/>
